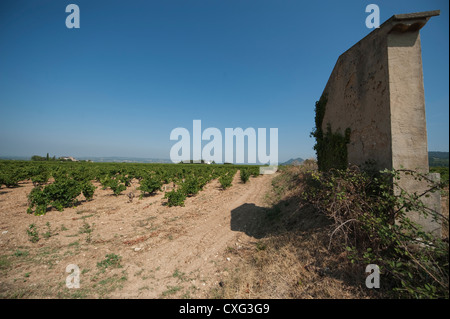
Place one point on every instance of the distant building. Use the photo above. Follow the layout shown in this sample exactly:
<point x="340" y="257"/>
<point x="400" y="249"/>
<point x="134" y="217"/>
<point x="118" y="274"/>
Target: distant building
<point x="68" y="158"/>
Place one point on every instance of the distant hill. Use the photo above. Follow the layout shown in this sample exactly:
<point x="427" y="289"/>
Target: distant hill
<point x="436" y="159"/>
<point x="294" y="161"/>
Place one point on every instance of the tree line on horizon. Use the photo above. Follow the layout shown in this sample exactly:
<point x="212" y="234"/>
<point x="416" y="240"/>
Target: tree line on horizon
<point x="47" y="158"/>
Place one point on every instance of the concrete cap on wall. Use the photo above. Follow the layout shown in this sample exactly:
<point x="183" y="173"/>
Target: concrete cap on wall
<point x="399" y="23"/>
<point x="409" y="22"/>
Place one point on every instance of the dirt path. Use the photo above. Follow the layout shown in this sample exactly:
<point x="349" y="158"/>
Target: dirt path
<point x="165" y="252"/>
<point x="193" y="257"/>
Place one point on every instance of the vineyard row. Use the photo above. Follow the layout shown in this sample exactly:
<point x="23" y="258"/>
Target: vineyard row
<point x="58" y="184"/>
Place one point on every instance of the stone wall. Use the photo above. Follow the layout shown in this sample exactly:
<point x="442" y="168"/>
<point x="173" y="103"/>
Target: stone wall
<point x="358" y="98"/>
<point x="376" y="89"/>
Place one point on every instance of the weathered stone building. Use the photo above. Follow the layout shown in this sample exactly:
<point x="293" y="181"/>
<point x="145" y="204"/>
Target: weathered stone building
<point x="376" y="90"/>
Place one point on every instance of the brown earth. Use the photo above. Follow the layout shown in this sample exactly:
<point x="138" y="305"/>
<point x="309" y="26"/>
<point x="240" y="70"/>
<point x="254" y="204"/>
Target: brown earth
<point x="165" y="252"/>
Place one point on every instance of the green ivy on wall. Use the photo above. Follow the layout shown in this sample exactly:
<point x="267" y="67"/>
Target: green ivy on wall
<point x="331" y="148"/>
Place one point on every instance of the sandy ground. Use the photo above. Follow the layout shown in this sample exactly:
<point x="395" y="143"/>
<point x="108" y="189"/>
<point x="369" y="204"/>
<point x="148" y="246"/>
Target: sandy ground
<point x="165" y="252"/>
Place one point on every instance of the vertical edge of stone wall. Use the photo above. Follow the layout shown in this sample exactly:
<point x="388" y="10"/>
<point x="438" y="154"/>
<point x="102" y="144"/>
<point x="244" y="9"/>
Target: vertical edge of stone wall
<point x="407" y="102"/>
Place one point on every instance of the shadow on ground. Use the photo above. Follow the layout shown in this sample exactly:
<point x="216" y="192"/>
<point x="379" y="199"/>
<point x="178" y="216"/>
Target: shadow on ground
<point x="287" y="215"/>
<point x="298" y="226"/>
<point x="249" y="219"/>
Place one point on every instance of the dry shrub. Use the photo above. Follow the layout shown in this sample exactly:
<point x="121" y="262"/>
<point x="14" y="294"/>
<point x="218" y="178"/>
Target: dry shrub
<point x="371" y="222"/>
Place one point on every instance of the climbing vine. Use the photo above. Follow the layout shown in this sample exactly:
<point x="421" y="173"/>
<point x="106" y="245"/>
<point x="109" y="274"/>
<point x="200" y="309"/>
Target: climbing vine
<point x="331" y="148"/>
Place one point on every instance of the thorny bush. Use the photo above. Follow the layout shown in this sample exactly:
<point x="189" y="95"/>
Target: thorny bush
<point x="370" y="214"/>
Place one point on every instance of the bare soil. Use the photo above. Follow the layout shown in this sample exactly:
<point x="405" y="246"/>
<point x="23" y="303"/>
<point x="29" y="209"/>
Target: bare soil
<point x="164" y="252"/>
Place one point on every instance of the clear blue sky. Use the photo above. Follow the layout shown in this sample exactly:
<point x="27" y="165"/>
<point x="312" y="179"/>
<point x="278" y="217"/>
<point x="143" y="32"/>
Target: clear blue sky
<point x="135" y="70"/>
